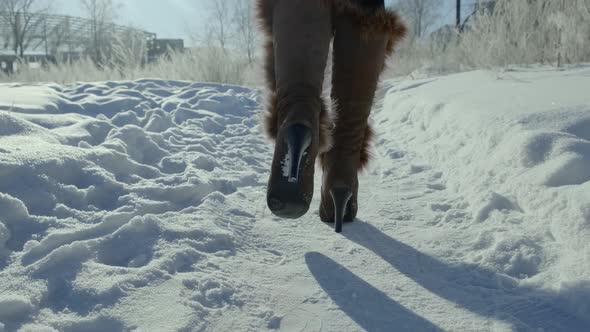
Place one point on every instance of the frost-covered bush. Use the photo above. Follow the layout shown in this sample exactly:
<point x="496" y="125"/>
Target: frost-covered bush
<point x="200" y="64"/>
<point x="518" y="32"/>
<point x="530" y="31"/>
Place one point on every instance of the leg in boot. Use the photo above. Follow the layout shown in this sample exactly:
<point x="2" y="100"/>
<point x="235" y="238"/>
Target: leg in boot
<point x="363" y="38"/>
<point x="299" y="33"/>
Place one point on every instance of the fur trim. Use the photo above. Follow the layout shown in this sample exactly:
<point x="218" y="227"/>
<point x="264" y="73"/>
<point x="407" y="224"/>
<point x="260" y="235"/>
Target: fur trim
<point x="365" y="153"/>
<point x="264" y="10"/>
<point x="271" y="117"/>
<point x="375" y="21"/>
<point x="326" y="125"/>
<point x="269" y="65"/>
<point x="372" y="21"/>
<point x="366" y="148"/>
<point x="271" y="125"/>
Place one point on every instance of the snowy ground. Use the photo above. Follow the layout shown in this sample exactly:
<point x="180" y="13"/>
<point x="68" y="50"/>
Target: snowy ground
<point x="141" y="206"/>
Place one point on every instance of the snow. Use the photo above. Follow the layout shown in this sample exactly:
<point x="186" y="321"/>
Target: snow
<point x="141" y="206"/>
<point x="515" y="145"/>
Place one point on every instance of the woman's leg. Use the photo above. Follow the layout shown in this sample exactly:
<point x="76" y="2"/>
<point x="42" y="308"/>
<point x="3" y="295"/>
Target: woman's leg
<point x="299" y="34"/>
<point x="363" y="38"/>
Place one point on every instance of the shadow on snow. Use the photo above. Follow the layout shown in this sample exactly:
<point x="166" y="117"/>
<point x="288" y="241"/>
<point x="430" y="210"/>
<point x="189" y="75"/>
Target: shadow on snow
<point x="471" y="287"/>
<point x="370" y="308"/>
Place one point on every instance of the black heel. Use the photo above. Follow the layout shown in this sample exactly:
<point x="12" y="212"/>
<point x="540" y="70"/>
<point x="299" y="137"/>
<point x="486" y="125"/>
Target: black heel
<point x="290" y="185"/>
<point x="298" y="141"/>
<point x="340" y="197"/>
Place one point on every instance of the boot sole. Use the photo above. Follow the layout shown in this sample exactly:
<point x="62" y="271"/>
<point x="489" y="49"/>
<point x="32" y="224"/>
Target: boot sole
<point x="286" y="197"/>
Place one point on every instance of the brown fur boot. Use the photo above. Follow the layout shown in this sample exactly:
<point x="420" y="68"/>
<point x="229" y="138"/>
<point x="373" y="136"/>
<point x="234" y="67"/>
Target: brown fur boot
<point x="298" y="33"/>
<point x="363" y="39"/>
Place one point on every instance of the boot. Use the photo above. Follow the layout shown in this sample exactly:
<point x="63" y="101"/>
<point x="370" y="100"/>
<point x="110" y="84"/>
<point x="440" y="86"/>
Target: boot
<point x="364" y="36"/>
<point x="299" y="34"/>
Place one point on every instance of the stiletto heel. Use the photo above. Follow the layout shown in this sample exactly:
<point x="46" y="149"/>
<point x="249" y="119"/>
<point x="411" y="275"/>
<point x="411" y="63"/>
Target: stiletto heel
<point x="298" y="141"/>
<point x="340" y="197"/>
<point x="358" y="60"/>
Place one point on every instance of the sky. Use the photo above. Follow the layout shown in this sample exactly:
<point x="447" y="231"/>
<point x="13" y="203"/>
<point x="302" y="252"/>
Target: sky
<point x="168" y="19"/>
<point x="182" y="18"/>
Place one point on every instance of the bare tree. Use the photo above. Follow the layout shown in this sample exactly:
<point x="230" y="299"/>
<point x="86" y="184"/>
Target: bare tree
<point x="22" y="17"/>
<point x="57" y="36"/>
<point x="5" y="32"/>
<point x="421" y="14"/>
<point x="245" y="27"/>
<point x="231" y="28"/>
<point x="101" y="14"/>
<point x="219" y="30"/>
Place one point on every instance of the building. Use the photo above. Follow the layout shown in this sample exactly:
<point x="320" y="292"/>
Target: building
<point x="69" y="38"/>
<point x="9" y="62"/>
<point x="158" y="48"/>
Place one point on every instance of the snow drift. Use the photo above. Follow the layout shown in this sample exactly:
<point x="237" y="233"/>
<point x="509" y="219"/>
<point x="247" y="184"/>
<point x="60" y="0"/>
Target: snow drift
<point x="514" y="148"/>
<point x="141" y="206"/>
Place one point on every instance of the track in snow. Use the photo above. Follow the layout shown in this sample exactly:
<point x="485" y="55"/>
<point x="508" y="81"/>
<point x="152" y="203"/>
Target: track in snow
<point x="141" y="206"/>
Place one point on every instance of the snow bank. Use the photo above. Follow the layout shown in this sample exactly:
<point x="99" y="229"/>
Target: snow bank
<point x="141" y="206"/>
<point x="109" y="200"/>
<point x="514" y="149"/>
